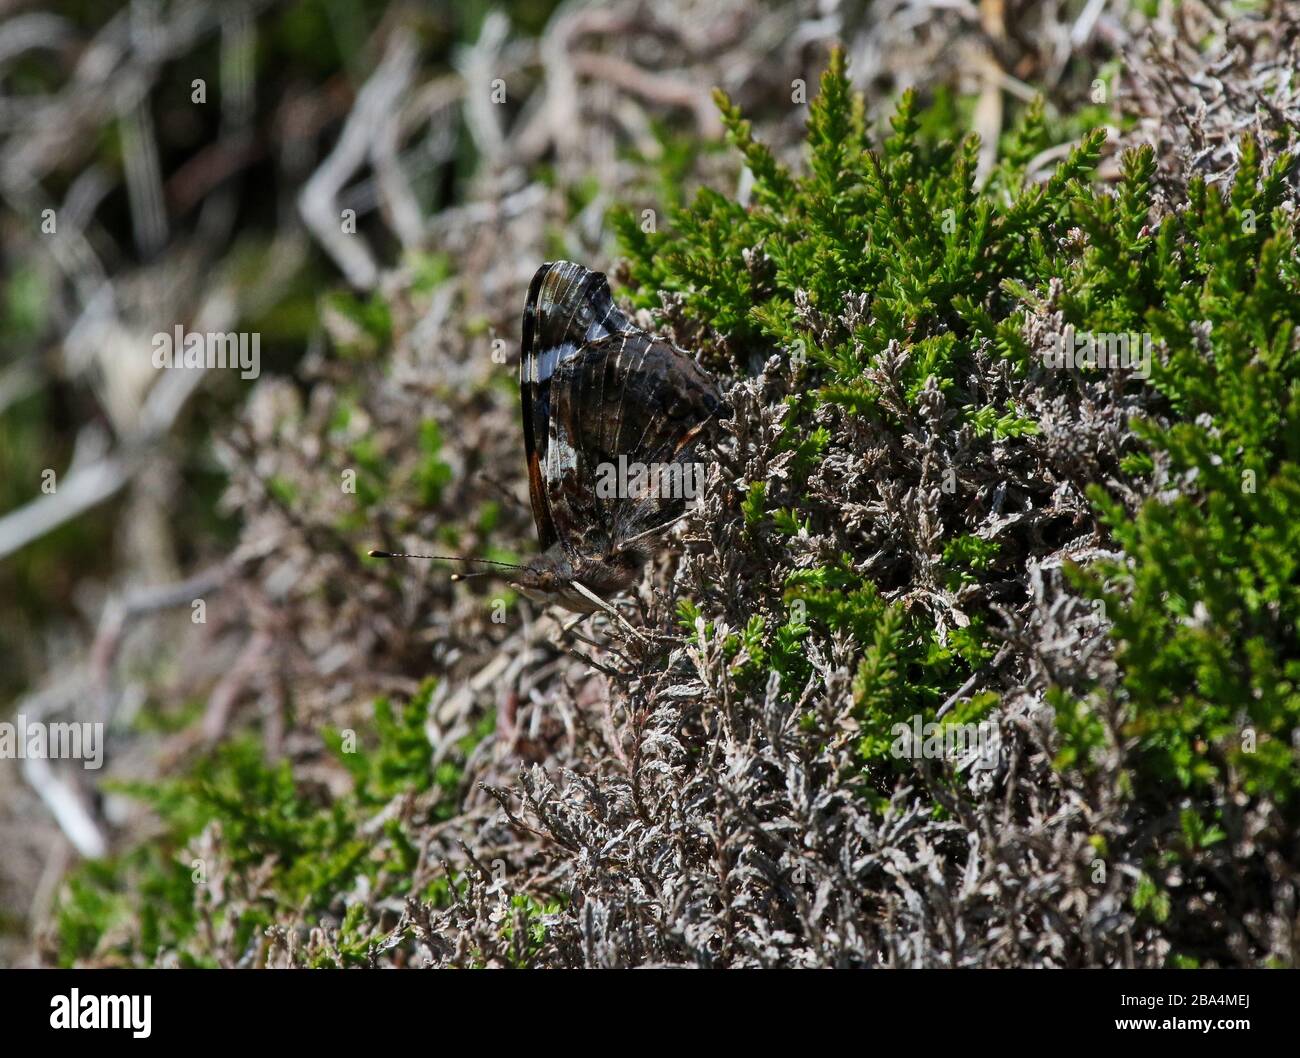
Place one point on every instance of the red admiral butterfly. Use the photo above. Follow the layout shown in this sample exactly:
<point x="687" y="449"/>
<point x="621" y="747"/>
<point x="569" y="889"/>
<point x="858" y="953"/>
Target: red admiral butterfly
<point x="597" y="392"/>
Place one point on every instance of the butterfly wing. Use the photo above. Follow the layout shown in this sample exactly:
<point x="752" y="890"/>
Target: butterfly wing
<point x="567" y="307"/>
<point x="630" y="400"/>
<point x="596" y="388"/>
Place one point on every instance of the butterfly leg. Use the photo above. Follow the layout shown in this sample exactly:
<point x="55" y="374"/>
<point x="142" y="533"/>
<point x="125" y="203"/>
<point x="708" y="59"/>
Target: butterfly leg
<point x="593" y="642"/>
<point x="568" y="629"/>
<point x="591" y="595"/>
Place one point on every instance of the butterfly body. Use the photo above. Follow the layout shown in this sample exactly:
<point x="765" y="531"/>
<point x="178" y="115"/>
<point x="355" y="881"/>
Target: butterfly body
<point x="599" y="393"/>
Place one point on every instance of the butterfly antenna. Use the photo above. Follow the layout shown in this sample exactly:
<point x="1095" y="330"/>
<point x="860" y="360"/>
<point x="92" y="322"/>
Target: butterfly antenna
<point x="447" y="558"/>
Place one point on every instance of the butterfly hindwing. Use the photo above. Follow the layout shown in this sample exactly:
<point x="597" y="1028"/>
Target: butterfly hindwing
<point x="631" y="401"/>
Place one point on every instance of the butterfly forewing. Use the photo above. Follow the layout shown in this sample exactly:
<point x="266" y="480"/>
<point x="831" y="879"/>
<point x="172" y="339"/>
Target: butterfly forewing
<point x="567" y="307"/>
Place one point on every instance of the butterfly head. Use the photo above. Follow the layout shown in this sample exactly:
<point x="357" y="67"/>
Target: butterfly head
<point x="551" y="577"/>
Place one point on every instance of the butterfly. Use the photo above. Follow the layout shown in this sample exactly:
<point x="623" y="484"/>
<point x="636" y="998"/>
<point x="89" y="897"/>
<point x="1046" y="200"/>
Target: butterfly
<point x="613" y="420"/>
<point x="598" y="393"/>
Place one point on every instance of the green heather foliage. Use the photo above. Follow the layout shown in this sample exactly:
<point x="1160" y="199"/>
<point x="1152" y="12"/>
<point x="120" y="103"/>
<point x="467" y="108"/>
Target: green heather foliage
<point x="272" y="846"/>
<point x="1204" y="606"/>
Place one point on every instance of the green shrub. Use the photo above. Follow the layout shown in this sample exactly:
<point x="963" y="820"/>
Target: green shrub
<point x="1204" y="602"/>
<point x="276" y="849"/>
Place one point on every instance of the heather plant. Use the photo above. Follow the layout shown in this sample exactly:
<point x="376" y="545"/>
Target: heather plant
<point x="889" y="259"/>
<point x="1203" y="604"/>
<point x="874" y="256"/>
<point x="245" y="843"/>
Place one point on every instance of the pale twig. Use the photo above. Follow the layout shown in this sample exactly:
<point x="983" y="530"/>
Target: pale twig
<point x="62" y="797"/>
<point x="656" y="88"/>
<point x="119" y="613"/>
<point x="87" y="486"/>
<point x="222" y="701"/>
<point x="67" y="806"/>
<point x="480" y="67"/>
<point x="37" y="30"/>
<point x="318" y="201"/>
<point x="84" y="488"/>
<point x="143" y="176"/>
<point x="17" y="381"/>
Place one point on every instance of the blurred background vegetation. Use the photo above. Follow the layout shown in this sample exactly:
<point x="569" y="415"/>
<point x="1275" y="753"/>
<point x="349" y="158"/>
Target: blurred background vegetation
<point x="228" y="176"/>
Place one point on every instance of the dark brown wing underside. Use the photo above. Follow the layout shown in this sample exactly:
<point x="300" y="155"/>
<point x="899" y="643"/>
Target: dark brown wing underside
<point x="595" y="388"/>
<point x="567" y="307"/>
<point x="622" y="401"/>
